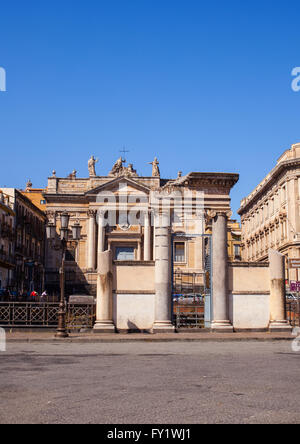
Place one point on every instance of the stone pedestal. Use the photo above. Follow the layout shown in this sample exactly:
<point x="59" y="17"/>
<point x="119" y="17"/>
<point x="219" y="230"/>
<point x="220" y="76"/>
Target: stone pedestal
<point x="163" y="276"/>
<point x="278" y="320"/>
<point x="220" y="322"/>
<point x="104" y="310"/>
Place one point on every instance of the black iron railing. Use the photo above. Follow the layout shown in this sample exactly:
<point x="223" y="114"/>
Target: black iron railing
<point x="45" y="314"/>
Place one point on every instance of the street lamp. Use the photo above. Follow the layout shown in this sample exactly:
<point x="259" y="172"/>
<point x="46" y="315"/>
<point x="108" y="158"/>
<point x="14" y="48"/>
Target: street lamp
<point x="51" y="235"/>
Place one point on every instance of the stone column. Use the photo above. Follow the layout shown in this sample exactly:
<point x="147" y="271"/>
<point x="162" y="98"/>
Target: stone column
<point x="220" y="322"/>
<point x="104" y="309"/>
<point x="163" y="276"/>
<point x="139" y="250"/>
<point x="147" y="237"/>
<point x="277" y="292"/>
<point x="101" y="236"/>
<point x="91" y="260"/>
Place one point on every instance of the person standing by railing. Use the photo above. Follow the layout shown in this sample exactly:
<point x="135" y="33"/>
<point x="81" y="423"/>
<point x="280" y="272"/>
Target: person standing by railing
<point x="34" y="296"/>
<point x="44" y="296"/>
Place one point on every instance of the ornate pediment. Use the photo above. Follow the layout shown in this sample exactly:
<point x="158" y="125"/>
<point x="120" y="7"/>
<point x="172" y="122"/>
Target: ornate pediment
<point x="120" y="185"/>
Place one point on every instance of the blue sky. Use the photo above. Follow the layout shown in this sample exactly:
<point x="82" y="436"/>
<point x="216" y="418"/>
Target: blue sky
<point x="205" y="86"/>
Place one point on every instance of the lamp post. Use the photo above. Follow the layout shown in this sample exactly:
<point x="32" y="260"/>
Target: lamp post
<point x="64" y="233"/>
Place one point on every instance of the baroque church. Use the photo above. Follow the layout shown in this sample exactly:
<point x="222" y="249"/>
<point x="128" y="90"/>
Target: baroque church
<point x="135" y="232"/>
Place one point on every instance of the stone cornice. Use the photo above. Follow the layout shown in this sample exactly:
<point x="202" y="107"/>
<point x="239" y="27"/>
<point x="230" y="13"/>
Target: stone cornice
<point x="202" y="180"/>
<point x="263" y="188"/>
<point x="249" y="264"/>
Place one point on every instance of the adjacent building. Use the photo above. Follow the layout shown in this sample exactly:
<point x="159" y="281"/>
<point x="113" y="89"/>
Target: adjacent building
<point x="29" y="242"/>
<point x="7" y="236"/>
<point x="270" y="217"/>
<point x="35" y="195"/>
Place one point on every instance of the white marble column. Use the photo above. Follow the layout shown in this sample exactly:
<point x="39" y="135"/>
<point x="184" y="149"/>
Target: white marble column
<point x="277" y="292"/>
<point x="91" y="259"/>
<point x="147" y="237"/>
<point x="101" y="236"/>
<point x="220" y="298"/>
<point x="163" y="276"/>
<point x="104" y="310"/>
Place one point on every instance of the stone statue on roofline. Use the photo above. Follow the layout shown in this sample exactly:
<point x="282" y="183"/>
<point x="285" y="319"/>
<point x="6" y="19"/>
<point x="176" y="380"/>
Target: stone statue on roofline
<point x="28" y="185"/>
<point x="117" y="169"/>
<point x="130" y="171"/>
<point x="91" y="165"/>
<point x="72" y="175"/>
<point x="155" y="168"/>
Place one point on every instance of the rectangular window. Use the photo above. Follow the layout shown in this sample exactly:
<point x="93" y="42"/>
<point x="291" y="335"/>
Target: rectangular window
<point x="179" y="252"/>
<point x="237" y="251"/>
<point x="125" y="254"/>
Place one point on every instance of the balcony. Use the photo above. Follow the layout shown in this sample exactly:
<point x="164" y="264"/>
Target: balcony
<point x="6" y="259"/>
<point x="6" y="231"/>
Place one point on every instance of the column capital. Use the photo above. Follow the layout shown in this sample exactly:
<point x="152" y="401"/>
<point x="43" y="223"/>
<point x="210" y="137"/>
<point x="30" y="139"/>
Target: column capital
<point x="211" y="214"/>
<point x="162" y="218"/>
<point x="91" y="213"/>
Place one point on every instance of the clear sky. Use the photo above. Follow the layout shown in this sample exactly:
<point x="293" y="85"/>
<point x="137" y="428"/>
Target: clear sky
<point x="204" y="86"/>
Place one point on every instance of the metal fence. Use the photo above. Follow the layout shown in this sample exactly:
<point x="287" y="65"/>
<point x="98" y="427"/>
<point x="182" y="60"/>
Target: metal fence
<point x="42" y="315"/>
<point x="293" y="311"/>
<point x="189" y="312"/>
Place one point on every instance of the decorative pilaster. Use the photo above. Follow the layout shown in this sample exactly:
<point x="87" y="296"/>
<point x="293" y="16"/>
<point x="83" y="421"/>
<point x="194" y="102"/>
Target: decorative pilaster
<point x="163" y="276"/>
<point x="91" y="260"/>
<point x="220" y="320"/>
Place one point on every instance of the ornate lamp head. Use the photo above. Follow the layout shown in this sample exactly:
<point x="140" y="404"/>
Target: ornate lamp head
<point x="50" y="231"/>
<point x="76" y="231"/>
<point x="64" y="220"/>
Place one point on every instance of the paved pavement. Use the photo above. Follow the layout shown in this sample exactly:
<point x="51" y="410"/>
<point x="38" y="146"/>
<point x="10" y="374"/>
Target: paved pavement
<point x="48" y="336"/>
<point x="156" y="383"/>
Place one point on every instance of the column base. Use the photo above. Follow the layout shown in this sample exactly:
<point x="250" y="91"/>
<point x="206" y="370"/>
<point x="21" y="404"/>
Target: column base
<point x="280" y="326"/>
<point x="221" y="327"/>
<point x="163" y="327"/>
<point x="104" y="327"/>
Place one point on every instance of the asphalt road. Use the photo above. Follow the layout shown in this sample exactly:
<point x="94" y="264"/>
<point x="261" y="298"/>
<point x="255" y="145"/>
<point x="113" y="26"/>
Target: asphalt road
<point x="160" y="383"/>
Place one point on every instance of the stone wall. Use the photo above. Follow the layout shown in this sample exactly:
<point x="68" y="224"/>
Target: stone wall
<point x="133" y="295"/>
<point x="249" y="296"/>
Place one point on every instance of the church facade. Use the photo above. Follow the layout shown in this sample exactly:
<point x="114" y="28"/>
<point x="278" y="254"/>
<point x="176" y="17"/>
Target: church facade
<point x="135" y="231"/>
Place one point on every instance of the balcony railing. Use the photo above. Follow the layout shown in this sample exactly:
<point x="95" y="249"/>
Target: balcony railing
<point x="7" y="258"/>
<point x="7" y="231"/>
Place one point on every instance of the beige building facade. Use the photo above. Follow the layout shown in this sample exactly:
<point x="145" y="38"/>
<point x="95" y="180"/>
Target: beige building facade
<point x="270" y="217"/>
<point x="135" y="230"/>
<point x="138" y="232"/>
